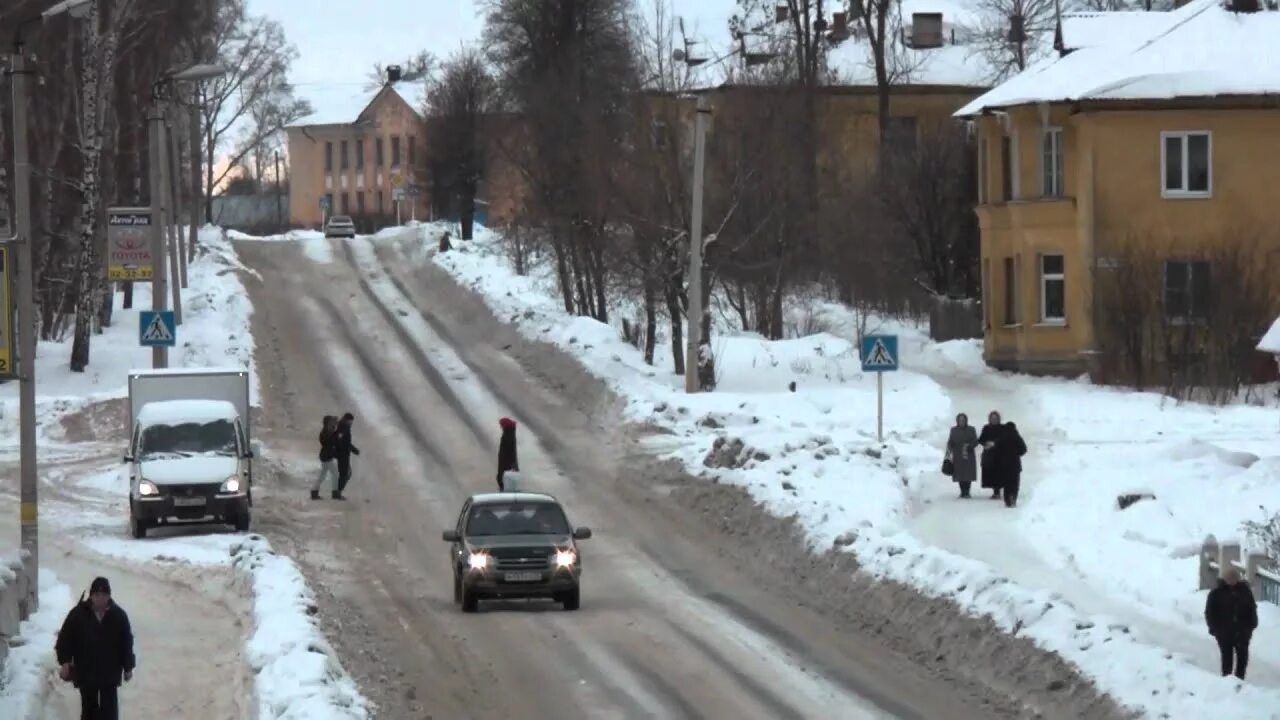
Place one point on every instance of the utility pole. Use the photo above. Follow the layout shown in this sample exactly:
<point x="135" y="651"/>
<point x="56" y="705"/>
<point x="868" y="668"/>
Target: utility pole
<point x="170" y="218"/>
<point x="175" y="191"/>
<point x="159" y="279"/>
<point x="26" y="331"/>
<point x="692" y="381"/>
<point x="197" y="197"/>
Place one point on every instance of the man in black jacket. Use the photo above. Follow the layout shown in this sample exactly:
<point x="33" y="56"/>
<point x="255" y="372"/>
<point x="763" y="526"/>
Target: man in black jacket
<point x="1232" y="615"/>
<point x="95" y="651"/>
<point x="342" y="452"/>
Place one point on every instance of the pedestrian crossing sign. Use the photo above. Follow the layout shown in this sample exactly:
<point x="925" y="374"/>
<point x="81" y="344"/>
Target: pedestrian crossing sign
<point x="879" y="353"/>
<point x="157" y="329"/>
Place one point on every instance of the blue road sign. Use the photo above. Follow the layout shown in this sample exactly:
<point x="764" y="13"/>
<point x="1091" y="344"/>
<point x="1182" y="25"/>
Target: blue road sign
<point x="879" y="353"/>
<point x="324" y="202"/>
<point x="157" y="329"/>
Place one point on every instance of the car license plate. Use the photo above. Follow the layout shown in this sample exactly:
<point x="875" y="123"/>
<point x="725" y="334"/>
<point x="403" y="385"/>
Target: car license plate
<point x="522" y="576"/>
<point x="188" y="501"/>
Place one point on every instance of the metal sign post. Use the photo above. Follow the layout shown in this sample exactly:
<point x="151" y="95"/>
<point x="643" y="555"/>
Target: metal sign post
<point x="879" y="355"/>
<point x="8" y="369"/>
<point x="129" y="244"/>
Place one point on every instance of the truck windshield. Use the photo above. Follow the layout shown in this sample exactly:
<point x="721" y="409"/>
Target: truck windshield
<point x="187" y="439"/>
<point x="517" y="519"/>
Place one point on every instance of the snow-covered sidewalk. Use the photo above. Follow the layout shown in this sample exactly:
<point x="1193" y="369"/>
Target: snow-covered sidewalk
<point x="811" y="453"/>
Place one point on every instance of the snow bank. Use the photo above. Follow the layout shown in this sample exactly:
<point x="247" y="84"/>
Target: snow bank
<point x="298" y="675"/>
<point x="28" y="670"/>
<point x="809" y="451"/>
<point x="313" y="242"/>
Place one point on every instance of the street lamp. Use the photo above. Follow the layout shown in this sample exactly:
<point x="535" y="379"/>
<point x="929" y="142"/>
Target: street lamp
<point x="23" y="239"/>
<point x="161" y="209"/>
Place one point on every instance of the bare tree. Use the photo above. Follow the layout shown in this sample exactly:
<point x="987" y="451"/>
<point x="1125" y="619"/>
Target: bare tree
<point x="461" y="104"/>
<point x="257" y="57"/>
<point x="1011" y="34"/>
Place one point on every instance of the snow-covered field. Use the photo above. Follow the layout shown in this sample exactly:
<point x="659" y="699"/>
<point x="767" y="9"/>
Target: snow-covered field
<point x="294" y="672"/>
<point x="1113" y="591"/>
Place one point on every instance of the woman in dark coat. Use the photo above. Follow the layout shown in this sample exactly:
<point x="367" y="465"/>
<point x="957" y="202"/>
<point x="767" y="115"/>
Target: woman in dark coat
<point x="990" y="434"/>
<point x="960" y="448"/>
<point x="1009" y="462"/>
<point x="507" y="460"/>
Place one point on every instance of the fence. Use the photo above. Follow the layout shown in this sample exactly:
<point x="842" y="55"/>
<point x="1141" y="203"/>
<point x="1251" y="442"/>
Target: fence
<point x="251" y="213"/>
<point x="955" y="319"/>
<point x="1259" y="570"/>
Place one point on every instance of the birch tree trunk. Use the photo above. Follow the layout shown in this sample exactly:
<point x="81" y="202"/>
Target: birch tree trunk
<point x="97" y="88"/>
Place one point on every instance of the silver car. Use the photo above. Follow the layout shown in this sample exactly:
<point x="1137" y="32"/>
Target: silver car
<point x="515" y="545"/>
<point x="340" y="226"/>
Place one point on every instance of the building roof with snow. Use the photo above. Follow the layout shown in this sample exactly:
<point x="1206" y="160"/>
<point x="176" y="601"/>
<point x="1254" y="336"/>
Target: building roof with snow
<point x="1201" y="50"/>
<point x="341" y="105"/>
<point x="1270" y="342"/>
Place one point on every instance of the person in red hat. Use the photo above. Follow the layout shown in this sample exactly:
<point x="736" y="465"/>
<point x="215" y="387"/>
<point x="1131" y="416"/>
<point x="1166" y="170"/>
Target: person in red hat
<point x="507" y="461"/>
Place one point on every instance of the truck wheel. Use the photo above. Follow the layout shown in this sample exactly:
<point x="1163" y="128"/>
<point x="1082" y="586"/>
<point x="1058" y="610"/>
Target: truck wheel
<point x="470" y="603"/>
<point x="571" y="599"/>
<point x="242" y="522"/>
<point x="457" y="588"/>
<point x="136" y="527"/>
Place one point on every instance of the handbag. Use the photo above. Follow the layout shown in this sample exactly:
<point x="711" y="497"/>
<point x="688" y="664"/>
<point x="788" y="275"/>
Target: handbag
<point x="948" y="468"/>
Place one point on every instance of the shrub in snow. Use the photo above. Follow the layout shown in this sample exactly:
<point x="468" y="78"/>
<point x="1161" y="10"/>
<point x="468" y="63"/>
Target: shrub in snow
<point x="1267" y="535"/>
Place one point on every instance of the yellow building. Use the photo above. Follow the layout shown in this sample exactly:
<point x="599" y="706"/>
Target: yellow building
<point x="1112" y="174"/>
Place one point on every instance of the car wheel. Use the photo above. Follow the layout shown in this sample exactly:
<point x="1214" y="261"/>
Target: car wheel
<point x="137" y="528"/>
<point x="242" y="522"/>
<point x="470" y="603"/>
<point x="457" y="588"/>
<point x="571" y="599"/>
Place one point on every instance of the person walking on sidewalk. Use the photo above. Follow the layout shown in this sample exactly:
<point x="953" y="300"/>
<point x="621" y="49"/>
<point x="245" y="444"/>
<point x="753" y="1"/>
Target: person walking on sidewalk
<point x="343" y="449"/>
<point x="328" y="455"/>
<point x="1010" y="447"/>
<point x="1232" y="616"/>
<point x="960" y="448"/>
<point x="95" y="652"/>
<point x="990" y="433"/>
<point x="507" y="460"/>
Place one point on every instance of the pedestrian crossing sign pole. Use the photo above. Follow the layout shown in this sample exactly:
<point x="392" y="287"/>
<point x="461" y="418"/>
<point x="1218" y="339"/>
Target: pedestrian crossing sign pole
<point x="879" y="355"/>
<point x="156" y="328"/>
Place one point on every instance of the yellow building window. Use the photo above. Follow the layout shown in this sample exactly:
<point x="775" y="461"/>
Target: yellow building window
<point x="1053" y="290"/>
<point x="1051" y="158"/>
<point x="1186" y="161"/>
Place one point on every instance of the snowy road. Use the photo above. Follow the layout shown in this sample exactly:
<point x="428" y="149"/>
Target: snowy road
<point x="174" y="607"/>
<point x="674" y="622"/>
<point x="985" y="530"/>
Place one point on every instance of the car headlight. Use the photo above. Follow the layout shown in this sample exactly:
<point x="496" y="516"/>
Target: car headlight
<point x="478" y="560"/>
<point x="146" y="488"/>
<point x="232" y="485"/>
<point x="566" y="558"/>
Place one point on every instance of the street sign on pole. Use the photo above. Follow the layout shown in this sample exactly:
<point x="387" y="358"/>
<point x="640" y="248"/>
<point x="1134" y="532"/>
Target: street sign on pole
<point x="879" y="355"/>
<point x="129" y="256"/>
<point x="324" y="203"/>
<point x="7" y="369"/>
<point x="157" y="328"/>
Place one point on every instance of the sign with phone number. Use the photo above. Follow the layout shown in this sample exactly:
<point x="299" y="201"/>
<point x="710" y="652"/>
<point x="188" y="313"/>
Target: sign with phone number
<point x="124" y="272"/>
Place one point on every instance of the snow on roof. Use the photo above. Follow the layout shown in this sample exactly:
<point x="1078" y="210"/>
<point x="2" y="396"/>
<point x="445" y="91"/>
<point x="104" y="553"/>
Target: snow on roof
<point x="706" y="25"/>
<point x="170" y="412"/>
<point x="1271" y="341"/>
<point x="1199" y="50"/>
<point x="344" y="104"/>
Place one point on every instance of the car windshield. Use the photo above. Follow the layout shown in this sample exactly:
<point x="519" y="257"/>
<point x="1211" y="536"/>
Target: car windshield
<point x="160" y="442"/>
<point x="517" y="519"/>
<point x="340" y="220"/>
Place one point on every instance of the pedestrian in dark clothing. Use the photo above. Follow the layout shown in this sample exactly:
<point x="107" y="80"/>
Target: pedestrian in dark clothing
<point x="990" y="432"/>
<point x="960" y="451"/>
<point x="343" y="449"/>
<point x="328" y="455"/>
<point x="1232" y="615"/>
<point x="507" y="460"/>
<point x="1010" y="447"/>
<point x="95" y="651"/>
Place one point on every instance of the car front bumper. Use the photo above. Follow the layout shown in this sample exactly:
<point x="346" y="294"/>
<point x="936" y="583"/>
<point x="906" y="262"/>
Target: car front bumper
<point x="494" y="583"/>
<point x="177" y="504"/>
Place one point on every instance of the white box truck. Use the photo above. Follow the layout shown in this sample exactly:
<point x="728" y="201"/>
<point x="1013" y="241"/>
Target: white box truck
<point x="190" y="456"/>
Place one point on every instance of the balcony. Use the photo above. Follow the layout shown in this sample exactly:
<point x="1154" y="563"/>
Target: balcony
<point x="1037" y="214"/>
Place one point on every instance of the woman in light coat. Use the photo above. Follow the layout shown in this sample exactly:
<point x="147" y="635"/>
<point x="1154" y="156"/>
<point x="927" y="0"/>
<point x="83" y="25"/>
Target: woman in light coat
<point x="960" y="450"/>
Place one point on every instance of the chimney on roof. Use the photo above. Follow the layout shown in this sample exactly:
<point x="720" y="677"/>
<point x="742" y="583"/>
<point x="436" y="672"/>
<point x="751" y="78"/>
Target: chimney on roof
<point x="926" y="30"/>
<point x="394" y="73"/>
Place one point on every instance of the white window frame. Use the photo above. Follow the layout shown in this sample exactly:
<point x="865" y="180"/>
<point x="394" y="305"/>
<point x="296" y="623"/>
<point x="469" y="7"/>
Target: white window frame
<point x="1045" y="279"/>
<point x="1183" y="193"/>
<point x="1057" y="156"/>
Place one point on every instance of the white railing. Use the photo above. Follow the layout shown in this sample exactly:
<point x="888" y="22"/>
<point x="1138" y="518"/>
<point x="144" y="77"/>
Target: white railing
<point x="1258" y="569"/>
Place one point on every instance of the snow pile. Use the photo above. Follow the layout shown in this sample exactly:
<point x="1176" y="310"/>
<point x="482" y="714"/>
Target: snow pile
<point x="28" y="671"/>
<point x="313" y="243"/>
<point x="298" y="673"/>
<point x="810" y="451"/>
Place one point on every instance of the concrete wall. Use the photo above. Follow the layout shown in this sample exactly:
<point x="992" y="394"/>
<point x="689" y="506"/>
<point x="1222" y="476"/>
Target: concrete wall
<point x="248" y="213"/>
